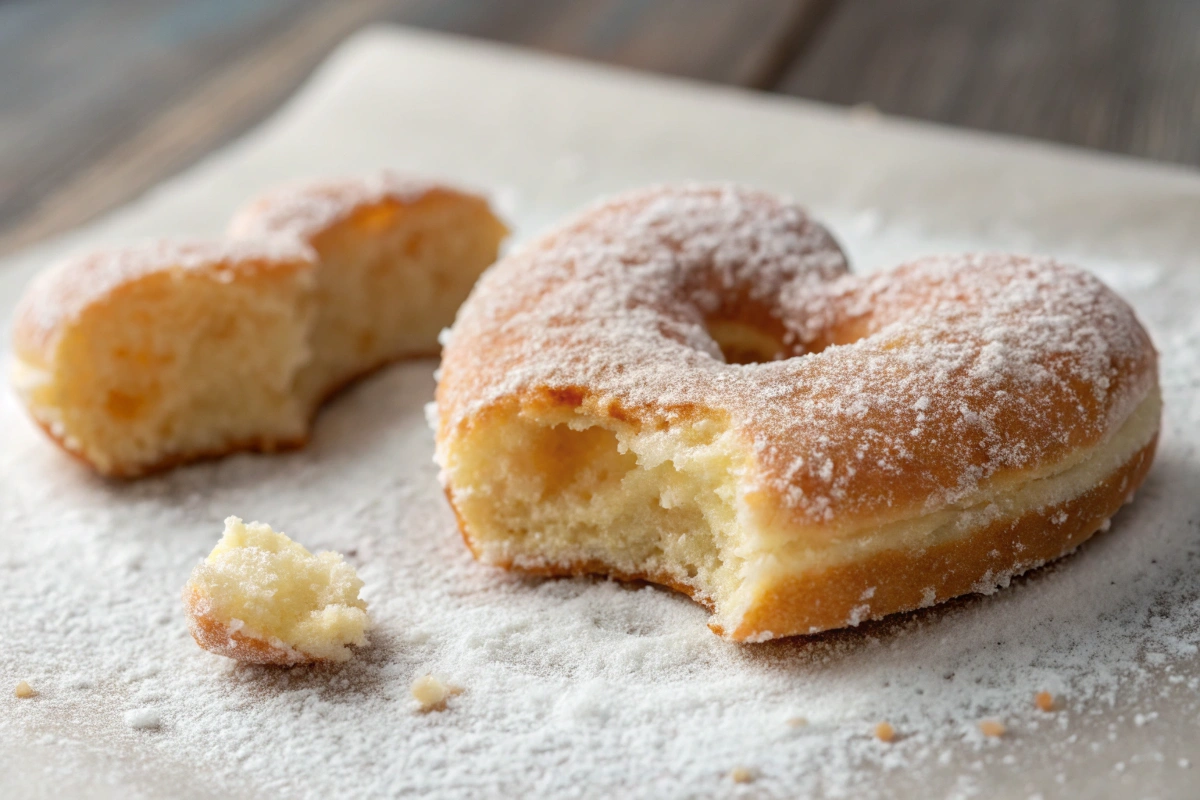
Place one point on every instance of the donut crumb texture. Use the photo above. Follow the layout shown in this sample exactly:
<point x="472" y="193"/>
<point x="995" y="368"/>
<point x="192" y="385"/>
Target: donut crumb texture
<point x="884" y="732"/>
<point x="24" y="690"/>
<point x="741" y="775"/>
<point x="992" y="728"/>
<point x="431" y="692"/>
<point x="262" y="598"/>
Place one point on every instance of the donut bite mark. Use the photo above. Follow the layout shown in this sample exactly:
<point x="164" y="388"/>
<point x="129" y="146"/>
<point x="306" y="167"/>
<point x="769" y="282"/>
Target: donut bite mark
<point x="261" y="598"/>
<point x="141" y="358"/>
<point x="686" y="385"/>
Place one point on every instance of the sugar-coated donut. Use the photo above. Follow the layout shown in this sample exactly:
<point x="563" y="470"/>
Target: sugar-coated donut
<point x="893" y="441"/>
<point x="144" y="357"/>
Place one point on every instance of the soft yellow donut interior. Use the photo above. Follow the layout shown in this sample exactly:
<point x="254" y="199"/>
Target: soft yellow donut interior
<point x="261" y="584"/>
<point x="565" y="491"/>
<point x="177" y="362"/>
<point x="390" y="280"/>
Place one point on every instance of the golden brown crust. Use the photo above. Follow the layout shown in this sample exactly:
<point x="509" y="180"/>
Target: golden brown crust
<point x="129" y="472"/>
<point x="978" y="561"/>
<point x="216" y="637"/>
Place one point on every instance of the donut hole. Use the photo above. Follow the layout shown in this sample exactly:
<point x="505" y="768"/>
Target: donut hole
<point x="562" y="496"/>
<point x="744" y="343"/>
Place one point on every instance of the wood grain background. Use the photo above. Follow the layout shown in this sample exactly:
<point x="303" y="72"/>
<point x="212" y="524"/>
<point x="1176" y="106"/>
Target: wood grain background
<point x="101" y="99"/>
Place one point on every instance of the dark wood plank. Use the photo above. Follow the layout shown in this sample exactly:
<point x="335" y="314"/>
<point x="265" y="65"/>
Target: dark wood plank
<point x="714" y="40"/>
<point x="101" y="100"/>
<point x="1120" y="75"/>
<point x="81" y="78"/>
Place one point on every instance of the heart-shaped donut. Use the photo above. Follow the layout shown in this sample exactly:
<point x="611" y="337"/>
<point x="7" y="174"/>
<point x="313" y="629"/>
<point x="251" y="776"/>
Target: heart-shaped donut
<point x="895" y="439"/>
<point x="140" y="358"/>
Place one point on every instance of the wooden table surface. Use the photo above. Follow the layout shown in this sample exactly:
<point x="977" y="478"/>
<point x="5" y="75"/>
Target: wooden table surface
<point x="101" y="99"/>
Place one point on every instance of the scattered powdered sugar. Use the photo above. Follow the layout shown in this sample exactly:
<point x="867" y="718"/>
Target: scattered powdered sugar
<point x="578" y="687"/>
<point x="143" y="719"/>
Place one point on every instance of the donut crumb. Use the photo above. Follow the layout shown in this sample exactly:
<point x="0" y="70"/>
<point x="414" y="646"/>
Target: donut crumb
<point x="24" y="690"/>
<point x="741" y="775"/>
<point x="992" y="728"/>
<point x="289" y="606"/>
<point x="431" y="692"/>
<point x="797" y="722"/>
<point x="1044" y="701"/>
<point x="884" y="732"/>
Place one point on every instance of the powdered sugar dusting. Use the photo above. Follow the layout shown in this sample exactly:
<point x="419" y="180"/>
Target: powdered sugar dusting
<point x="920" y="382"/>
<point x="577" y="687"/>
<point x="304" y="209"/>
<point x="61" y="292"/>
<point x="143" y="719"/>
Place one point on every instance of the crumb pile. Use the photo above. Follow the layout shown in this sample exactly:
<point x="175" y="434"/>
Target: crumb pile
<point x="584" y="686"/>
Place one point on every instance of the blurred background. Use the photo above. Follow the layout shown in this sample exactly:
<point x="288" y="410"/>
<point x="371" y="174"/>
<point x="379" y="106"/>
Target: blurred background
<point x="101" y="99"/>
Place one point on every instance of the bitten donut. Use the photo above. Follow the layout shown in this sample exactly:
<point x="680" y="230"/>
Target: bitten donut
<point x="144" y="357"/>
<point x="686" y="386"/>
